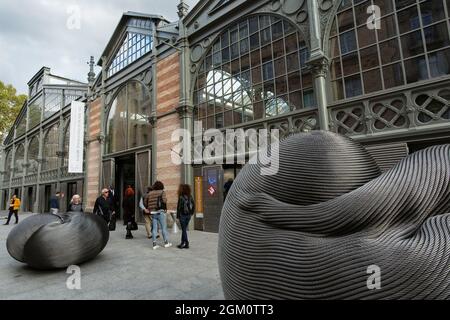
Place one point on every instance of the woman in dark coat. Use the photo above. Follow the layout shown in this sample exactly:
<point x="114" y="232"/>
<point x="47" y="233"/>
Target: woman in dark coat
<point x="185" y="210"/>
<point x="76" y="204"/>
<point x="128" y="207"/>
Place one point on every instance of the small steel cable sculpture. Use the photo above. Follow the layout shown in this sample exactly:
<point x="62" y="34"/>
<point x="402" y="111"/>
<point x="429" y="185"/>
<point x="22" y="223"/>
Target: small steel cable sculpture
<point x="313" y="230"/>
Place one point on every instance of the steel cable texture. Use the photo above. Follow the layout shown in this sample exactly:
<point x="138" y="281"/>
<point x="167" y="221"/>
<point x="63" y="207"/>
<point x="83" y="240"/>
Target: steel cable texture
<point x="312" y="230"/>
<point x="47" y="241"/>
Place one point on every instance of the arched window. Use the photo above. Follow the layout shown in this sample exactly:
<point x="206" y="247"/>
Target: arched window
<point x="19" y="160"/>
<point x="127" y="124"/>
<point x="66" y="144"/>
<point x="411" y="44"/>
<point x="33" y="155"/>
<point x="51" y="143"/>
<point x="7" y="167"/>
<point x="255" y="69"/>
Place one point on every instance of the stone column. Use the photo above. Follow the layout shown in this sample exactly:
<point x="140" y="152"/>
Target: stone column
<point x="186" y="107"/>
<point x="319" y="63"/>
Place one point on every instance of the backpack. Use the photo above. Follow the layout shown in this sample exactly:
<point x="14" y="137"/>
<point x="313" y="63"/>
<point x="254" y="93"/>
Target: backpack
<point x="160" y="204"/>
<point x="188" y="206"/>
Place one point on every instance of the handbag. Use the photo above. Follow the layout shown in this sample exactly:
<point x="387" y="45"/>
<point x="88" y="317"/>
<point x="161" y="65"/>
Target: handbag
<point x="112" y="223"/>
<point x="134" y="226"/>
<point x="160" y="204"/>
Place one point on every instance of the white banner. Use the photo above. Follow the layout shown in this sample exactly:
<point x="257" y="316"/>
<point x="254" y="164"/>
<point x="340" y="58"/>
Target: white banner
<point x="76" y="145"/>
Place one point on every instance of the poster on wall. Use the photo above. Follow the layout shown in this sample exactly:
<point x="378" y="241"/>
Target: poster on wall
<point x="76" y="144"/>
<point x="199" y="196"/>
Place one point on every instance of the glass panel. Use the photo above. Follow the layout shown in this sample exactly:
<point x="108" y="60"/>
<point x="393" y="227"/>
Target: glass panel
<point x="53" y="102"/>
<point x="116" y="133"/>
<point x="399" y="4"/>
<point x="408" y="19"/>
<point x="22" y="125"/>
<point x="19" y="160"/>
<point x="292" y="62"/>
<point x="369" y="58"/>
<point x="336" y="71"/>
<point x="366" y="36"/>
<point x="388" y="28"/>
<point x="372" y="81"/>
<point x="254" y="85"/>
<point x="353" y="86"/>
<point x="436" y="36"/>
<point x="338" y="89"/>
<point x="416" y="69"/>
<point x="51" y="143"/>
<point x="33" y="155"/>
<point x="393" y="75"/>
<point x="345" y="20"/>
<point x="139" y="109"/>
<point x="386" y="6"/>
<point x="350" y="64"/>
<point x="347" y="41"/>
<point x="432" y="11"/>
<point x="412" y="44"/>
<point x="134" y="46"/>
<point x="439" y="63"/>
<point x="389" y="51"/>
<point x="35" y="113"/>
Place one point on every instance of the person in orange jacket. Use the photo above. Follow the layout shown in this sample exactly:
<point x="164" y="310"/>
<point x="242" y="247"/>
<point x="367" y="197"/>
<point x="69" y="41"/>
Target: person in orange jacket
<point x="14" y="209"/>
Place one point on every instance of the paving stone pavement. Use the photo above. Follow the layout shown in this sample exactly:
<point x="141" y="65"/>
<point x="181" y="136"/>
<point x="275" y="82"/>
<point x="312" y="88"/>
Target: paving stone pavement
<point x="125" y="270"/>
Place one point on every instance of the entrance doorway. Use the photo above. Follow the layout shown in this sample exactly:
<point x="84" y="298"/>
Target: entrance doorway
<point x="47" y="195"/>
<point x="125" y="178"/>
<point x="29" y="203"/>
<point x="133" y="169"/>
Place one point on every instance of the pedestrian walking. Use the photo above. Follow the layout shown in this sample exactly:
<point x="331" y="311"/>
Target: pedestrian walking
<point x="103" y="206"/>
<point x="14" y="207"/>
<point x="75" y="204"/>
<point x="156" y="203"/>
<point x="129" y="213"/>
<point x="185" y="210"/>
<point x="146" y="214"/>
<point x="54" y="202"/>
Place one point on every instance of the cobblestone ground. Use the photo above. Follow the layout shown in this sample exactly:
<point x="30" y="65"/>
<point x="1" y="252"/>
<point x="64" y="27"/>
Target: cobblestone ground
<point x="126" y="269"/>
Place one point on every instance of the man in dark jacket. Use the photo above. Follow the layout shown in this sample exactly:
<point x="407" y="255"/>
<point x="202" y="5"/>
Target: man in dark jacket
<point x="54" y="203"/>
<point x="103" y="206"/>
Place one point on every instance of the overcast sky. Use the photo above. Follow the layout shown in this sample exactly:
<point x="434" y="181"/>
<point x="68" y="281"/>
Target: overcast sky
<point x="37" y="33"/>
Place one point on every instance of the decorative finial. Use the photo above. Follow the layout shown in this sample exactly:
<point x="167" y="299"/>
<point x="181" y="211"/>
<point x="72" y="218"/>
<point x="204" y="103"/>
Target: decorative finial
<point x="91" y="74"/>
<point x="183" y="9"/>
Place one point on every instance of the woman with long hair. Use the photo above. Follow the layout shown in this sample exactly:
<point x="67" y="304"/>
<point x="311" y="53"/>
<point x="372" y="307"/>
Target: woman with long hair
<point x="156" y="203"/>
<point x="185" y="210"/>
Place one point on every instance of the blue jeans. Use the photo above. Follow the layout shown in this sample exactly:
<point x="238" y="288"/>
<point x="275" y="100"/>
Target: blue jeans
<point x="161" y="219"/>
<point x="184" y="221"/>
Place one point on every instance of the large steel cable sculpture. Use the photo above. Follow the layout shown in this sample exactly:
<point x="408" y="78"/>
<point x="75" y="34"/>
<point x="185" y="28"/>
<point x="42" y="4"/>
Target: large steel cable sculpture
<point x="313" y="230"/>
<point x="47" y="241"/>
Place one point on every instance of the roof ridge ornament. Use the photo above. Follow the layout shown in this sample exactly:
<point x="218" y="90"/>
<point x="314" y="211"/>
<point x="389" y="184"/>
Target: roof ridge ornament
<point x="183" y="9"/>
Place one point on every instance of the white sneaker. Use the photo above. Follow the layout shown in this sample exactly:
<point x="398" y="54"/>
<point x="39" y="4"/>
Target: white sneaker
<point x="167" y="245"/>
<point x="155" y="246"/>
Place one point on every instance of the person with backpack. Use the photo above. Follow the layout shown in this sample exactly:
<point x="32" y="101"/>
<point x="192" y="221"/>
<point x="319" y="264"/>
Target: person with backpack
<point x="185" y="211"/>
<point x="156" y="203"/>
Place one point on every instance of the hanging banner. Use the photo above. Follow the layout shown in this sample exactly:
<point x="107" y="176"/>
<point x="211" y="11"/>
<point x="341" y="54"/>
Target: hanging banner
<point x="76" y="144"/>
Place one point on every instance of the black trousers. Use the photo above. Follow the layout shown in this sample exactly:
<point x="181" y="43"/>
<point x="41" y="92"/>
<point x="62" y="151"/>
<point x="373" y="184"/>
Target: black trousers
<point x="16" y="215"/>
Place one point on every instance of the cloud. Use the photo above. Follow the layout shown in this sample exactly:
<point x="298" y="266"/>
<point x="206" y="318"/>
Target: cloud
<point x="48" y="33"/>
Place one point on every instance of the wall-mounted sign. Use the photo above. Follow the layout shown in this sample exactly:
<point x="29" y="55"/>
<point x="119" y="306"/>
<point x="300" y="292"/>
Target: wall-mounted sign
<point x="199" y="194"/>
<point x="76" y="144"/>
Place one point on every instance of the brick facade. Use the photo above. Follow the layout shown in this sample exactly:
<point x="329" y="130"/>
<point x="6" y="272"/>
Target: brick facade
<point x="93" y="154"/>
<point x="168" y="95"/>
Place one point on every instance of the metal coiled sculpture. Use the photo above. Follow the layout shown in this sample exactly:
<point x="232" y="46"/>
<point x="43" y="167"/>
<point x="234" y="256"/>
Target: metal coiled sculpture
<point x="313" y="230"/>
<point x="47" y="241"/>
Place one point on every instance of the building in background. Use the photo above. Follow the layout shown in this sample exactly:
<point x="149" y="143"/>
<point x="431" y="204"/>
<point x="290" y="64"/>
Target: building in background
<point x="35" y="163"/>
<point x="290" y="65"/>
